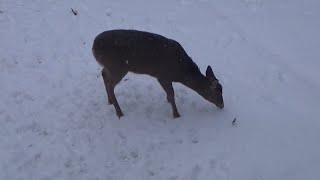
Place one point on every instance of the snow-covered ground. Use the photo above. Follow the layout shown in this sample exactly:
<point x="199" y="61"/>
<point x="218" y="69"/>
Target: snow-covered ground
<point x="55" y="122"/>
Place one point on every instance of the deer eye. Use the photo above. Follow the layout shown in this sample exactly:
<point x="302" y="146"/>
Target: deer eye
<point x="218" y="87"/>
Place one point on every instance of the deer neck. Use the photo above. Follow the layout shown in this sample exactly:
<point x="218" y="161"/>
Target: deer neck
<point x="195" y="82"/>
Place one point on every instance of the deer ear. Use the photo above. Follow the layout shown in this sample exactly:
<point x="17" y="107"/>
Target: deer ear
<point x="209" y="73"/>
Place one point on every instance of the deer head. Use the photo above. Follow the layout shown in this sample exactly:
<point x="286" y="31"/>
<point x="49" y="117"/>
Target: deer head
<point x="213" y="92"/>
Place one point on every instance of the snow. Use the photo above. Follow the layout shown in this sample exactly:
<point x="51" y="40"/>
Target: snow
<point x="56" y="124"/>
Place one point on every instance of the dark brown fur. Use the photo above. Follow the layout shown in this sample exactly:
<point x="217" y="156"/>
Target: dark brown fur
<point x="123" y="51"/>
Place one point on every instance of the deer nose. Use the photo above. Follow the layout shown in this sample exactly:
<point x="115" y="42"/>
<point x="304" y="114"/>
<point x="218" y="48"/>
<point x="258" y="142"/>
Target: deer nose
<point x="221" y="105"/>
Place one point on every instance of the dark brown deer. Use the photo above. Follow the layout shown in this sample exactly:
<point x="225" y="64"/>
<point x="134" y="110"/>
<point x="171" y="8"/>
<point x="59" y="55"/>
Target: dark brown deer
<point x="122" y="51"/>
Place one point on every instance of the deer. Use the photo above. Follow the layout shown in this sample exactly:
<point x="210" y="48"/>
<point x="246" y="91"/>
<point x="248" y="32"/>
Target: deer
<point x="120" y="51"/>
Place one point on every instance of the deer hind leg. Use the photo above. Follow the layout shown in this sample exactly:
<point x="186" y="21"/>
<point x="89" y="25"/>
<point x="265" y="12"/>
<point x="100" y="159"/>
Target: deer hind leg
<point x="105" y="79"/>
<point x="111" y="79"/>
<point x="167" y="86"/>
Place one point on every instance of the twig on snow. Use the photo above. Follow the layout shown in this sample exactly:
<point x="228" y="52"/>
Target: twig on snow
<point x="234" y="123"/>
<point x="75" y="12"/>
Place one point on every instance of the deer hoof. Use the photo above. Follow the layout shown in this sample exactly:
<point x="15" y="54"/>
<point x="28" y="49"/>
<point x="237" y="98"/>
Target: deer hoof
<point x="119" y="114"/>
<point x="176" y="115"/>
<point x="110" y="101"/>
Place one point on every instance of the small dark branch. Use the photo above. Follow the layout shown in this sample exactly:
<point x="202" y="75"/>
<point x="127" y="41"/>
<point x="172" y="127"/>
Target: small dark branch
<point x="234" y="123"/>
<point x="74" y="12"/>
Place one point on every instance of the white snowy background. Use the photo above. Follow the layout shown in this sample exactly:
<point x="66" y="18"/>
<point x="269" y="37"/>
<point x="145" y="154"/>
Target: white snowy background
<point x="55" y="123"/>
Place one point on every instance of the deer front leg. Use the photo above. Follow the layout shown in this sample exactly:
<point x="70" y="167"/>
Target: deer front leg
<point x="167" y="86"/>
